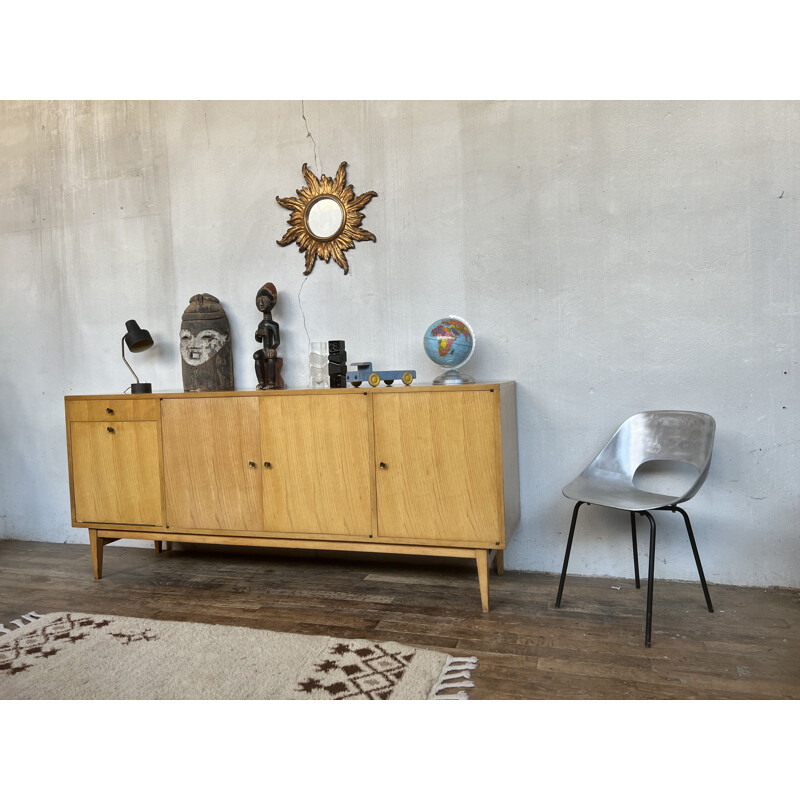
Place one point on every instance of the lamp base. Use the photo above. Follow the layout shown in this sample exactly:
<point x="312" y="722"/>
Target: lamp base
<point x="141" y="388"/>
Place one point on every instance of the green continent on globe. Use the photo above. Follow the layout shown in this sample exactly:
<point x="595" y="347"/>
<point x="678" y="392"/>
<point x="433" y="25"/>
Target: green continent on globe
<point x="448" y="332"/>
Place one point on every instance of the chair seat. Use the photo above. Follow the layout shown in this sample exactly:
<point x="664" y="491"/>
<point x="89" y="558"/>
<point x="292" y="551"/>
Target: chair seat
<point x="616" y="492"/>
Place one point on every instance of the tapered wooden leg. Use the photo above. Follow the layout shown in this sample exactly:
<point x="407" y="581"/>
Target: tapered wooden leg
<point x="482" y="560"/>
<point x="498" y="562"/>
<point x="96" y="544"/>
<point x="157" y="543"/>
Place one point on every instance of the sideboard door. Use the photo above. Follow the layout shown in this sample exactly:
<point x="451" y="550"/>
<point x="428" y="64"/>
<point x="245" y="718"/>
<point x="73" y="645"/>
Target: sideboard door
<point x="116" y="472"/>
<point x="318" y="453"/>
<point x="439" y="466"/>
<point x="212" y="463"/>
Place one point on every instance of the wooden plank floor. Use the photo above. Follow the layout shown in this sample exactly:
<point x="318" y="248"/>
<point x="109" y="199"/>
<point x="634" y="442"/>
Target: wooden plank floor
<point x="590" y="648"/>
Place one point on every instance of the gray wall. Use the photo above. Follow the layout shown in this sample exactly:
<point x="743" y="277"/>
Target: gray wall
<point x="611" y="256"/>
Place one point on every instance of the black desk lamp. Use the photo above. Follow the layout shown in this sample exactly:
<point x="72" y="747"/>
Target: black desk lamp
<point x="137" y="341"/>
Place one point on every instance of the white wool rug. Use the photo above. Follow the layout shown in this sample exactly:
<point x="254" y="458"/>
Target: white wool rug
<point x="77" y="656"/>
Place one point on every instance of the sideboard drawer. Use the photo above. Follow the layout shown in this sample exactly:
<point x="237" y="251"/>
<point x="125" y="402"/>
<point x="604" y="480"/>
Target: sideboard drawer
<point x="113" y="408"/>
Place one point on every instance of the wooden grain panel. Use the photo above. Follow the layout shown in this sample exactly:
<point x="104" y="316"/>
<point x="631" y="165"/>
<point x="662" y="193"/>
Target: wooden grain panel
<point x="208" y="447"/>
<point x="442" y="475"/>
<point x="112" y="409"/>
<point x="510" y="456"/>
<point x="116" y="473"/>
<point x="321" y="477"/>
<point x="322" y="545"/>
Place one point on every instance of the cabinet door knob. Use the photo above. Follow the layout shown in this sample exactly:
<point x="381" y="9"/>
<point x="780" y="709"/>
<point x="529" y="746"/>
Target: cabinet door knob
<point x="251" y="464"/>
<point x="382" y="465"/>
<point x="268" y="464"/>
<point x="110" y="429"/>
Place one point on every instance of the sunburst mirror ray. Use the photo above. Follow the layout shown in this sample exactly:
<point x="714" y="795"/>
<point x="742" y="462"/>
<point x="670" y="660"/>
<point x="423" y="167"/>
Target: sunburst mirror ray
<point x="325" y="218"/>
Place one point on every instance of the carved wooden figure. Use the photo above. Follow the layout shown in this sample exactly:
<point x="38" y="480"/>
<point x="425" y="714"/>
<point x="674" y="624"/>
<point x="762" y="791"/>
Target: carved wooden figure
<point x="205" y="344"/>
<point x="268" y="365"/>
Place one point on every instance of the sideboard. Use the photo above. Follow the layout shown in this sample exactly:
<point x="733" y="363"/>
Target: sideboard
<point x="414" y="470"/>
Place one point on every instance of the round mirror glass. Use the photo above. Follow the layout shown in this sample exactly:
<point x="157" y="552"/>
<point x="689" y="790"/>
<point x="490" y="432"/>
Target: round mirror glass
<point x="325" y="218"/>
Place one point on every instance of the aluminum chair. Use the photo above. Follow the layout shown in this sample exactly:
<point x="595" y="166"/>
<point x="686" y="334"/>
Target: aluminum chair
<point x="610" y="480"/>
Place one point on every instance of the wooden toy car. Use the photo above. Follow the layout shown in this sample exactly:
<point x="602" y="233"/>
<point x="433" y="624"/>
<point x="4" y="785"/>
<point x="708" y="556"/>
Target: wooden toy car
<point x="364" y="372"/>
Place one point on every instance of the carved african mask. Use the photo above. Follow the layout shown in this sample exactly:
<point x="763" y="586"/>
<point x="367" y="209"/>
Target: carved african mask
<point x="205" y="345"/>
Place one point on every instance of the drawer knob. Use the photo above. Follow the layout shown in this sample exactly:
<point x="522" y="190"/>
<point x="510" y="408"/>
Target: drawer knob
<point x="109" y="411"/>
<point x="110" y="429"/>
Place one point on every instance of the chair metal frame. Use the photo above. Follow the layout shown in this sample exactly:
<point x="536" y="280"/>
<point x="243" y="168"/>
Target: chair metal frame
<point x="674" y="436"/>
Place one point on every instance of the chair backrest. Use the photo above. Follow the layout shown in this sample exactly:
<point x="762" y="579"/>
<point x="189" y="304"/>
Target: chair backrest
<point x="682" y="436"/>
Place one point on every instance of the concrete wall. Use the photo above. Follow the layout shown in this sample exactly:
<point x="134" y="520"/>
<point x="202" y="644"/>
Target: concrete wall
<point x="611" y="256"/>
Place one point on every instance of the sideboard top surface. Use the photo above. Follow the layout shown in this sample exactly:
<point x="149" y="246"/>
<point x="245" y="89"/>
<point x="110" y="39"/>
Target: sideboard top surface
<point x="461" y="387"/>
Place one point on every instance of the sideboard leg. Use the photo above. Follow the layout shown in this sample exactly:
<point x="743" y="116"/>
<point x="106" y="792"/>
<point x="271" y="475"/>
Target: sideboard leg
<point x="482" y="560"/>
<point x="157" y="543"/>
<point x="96" y="544"/>
<point x="498" y="562"/>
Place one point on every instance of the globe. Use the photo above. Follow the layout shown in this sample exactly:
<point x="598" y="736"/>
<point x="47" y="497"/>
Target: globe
<point x="449" y="343"/>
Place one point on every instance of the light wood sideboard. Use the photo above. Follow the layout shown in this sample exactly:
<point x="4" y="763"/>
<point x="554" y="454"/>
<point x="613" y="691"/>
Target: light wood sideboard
<point x="414" y="470"/>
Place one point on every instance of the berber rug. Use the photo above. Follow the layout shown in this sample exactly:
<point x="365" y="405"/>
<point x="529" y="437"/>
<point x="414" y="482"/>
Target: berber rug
<point x="78" y="656"/>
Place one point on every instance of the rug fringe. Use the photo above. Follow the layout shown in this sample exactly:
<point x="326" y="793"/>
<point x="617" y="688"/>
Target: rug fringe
<point x="455" y="667"/>
<point x="29" y="617"/>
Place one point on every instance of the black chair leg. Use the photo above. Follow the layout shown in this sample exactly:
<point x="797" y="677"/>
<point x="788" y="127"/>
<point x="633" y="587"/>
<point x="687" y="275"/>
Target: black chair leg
<point x="566" y="555"/>
<point x="651" y="569"/>
<point x="696" y="555"/>
<point x="635" y="550"/>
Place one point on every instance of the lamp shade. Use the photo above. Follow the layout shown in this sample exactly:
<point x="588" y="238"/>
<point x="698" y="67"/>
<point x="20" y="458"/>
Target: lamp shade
<point x="136" y="338"/>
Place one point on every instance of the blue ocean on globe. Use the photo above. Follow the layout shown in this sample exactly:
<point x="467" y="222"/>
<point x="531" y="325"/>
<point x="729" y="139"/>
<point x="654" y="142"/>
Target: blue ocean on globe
<point x="448" y="342"/>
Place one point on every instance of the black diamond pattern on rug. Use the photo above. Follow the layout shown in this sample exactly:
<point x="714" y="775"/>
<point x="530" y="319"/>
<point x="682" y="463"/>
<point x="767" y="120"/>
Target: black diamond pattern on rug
<point x="66" y="630"/>
<point x="355" y="671"/>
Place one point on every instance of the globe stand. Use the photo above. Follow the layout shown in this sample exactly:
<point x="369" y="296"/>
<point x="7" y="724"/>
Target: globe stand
<point x="453" y="376"/>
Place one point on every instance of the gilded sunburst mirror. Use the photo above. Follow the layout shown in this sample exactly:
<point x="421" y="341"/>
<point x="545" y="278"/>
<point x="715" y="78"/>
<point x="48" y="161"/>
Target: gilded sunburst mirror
<point x="325" y="218"/>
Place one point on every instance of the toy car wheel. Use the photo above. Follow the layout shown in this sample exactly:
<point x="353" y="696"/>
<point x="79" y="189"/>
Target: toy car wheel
<point x="407" y="378"/>
<point x="374" y="379"/>
<point x="356" y="383"/>
<point x="389" y="382"/>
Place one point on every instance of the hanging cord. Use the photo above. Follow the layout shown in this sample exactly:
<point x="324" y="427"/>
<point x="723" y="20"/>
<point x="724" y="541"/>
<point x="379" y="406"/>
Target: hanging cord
<point x="299" y="303"/>
<point x="309" y="136"/>
<point x="318" y="169"/>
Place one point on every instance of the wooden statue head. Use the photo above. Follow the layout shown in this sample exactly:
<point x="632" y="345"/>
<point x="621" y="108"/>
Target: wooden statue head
<point x="266" y="298"/>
